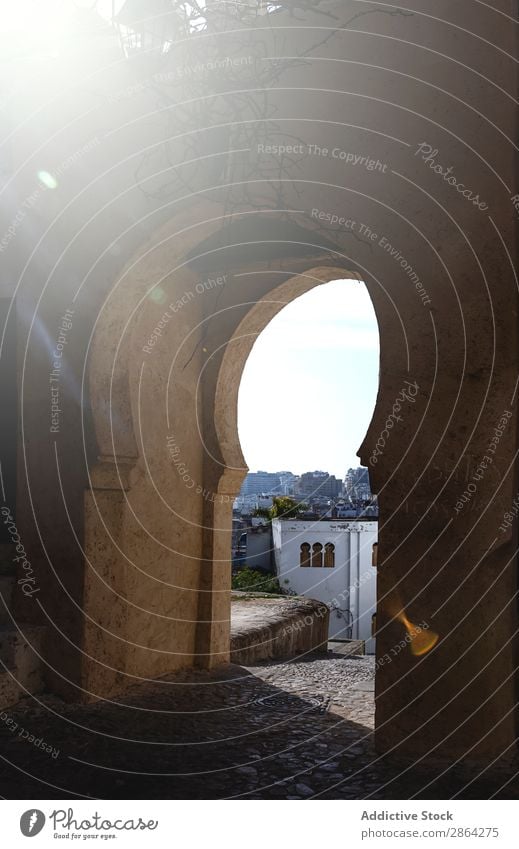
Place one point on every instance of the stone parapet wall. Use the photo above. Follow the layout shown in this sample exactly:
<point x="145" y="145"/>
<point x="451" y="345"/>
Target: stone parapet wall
<point x="276" y="628"/>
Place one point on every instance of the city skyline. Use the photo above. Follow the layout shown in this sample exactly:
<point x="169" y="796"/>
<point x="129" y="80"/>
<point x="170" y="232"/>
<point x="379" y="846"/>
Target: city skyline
<point x="304" y="471"/>
<point x="330" y="361"/>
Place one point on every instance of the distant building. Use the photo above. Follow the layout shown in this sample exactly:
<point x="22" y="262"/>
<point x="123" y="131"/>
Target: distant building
<point x="288" y="483"/>
<point x="331" y="561"/>
<point x="318" y="484"/>
<point x="356" y="484"/>
<point x="254" y="550"/>
<point x="248" y="504"/>
<point x="344" y="510"/>
<point x="259" y="483"/>
<point x="268" y="483"/>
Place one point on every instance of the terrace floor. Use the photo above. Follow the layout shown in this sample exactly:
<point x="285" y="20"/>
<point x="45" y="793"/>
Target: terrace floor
<point x="299" y="729"/>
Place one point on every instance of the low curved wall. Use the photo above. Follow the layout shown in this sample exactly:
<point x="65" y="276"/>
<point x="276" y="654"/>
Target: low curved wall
<point x="276" y="628"/>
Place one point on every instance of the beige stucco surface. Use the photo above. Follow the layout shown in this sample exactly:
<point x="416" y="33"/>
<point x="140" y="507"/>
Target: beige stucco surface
<point x="132" y="555"/>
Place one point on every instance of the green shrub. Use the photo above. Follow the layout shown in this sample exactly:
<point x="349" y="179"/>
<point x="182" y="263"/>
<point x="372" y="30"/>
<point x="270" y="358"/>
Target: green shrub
<point x="248" y="580"/>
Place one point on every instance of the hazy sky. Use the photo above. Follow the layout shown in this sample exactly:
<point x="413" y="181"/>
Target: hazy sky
<point x="309" y="386"/>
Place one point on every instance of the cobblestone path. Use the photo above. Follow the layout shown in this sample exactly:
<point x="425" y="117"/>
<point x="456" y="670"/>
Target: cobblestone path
<point x="295" y="730"/>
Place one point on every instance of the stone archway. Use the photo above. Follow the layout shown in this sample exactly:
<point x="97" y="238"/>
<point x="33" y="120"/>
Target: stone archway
<point x="135" y="469"/>
<point x="406" y="180"/>
<point x="229" y="467"/>
<point x="167" y="355"/>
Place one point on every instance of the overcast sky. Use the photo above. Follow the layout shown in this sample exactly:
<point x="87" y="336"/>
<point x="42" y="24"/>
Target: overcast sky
<point x="314" y="413"/>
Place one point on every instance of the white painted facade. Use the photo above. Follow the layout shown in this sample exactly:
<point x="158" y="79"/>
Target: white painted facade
<point x="349" y="587"/>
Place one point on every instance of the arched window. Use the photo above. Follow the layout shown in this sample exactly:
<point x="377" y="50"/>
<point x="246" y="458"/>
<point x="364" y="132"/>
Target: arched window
<point x="317" y="554"/>
<point x="374" y="554"/>
<point x="304" y="554"/>
<point x="329" y="555"/>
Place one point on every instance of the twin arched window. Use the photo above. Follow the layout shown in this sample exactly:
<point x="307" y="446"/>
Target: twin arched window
<point x="313" y="555"/>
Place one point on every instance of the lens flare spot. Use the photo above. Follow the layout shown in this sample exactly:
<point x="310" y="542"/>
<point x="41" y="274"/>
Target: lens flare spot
<point x="421" y="640"/>
<point x="158" y="295"/>
<point x="47" y="180"/>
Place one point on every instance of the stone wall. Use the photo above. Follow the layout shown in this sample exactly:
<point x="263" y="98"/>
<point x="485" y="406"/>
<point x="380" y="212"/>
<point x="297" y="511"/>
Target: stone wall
<point x="124" y="501"/>
<point x="276" y="629"/>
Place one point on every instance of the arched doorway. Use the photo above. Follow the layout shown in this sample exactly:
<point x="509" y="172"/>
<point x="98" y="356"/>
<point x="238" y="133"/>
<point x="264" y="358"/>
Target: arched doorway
<point x="168" y="474"/>
<point x="306" y="399"/>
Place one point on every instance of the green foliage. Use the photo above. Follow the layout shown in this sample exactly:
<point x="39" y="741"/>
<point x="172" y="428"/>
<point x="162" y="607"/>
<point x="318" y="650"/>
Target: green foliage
<point x="248" y="580"/>
<point x="285" y="507"/>
<point x="262" y="512"/>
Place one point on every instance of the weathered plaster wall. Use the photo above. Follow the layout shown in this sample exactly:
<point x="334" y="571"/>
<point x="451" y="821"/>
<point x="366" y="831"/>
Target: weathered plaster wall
<point x="134" y="576"/>
<point x="263" y="629"/>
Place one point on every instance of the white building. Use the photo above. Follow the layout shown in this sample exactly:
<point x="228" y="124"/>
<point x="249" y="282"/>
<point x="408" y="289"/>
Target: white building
<point x="249" y="503"/>
<point x="331" y="561"/>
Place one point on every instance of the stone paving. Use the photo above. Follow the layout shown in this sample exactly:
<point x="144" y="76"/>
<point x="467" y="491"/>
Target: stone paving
<point x="300" y="729"/>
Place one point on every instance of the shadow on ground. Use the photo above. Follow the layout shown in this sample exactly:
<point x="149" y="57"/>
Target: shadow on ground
<point x="228" y="734"/>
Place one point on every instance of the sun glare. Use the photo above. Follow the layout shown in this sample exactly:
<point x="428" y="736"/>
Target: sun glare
<point x="46" y="26"/>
